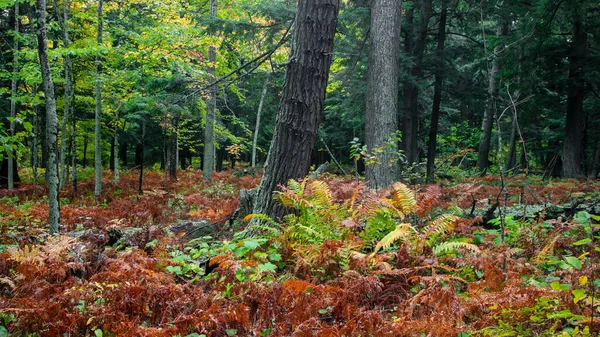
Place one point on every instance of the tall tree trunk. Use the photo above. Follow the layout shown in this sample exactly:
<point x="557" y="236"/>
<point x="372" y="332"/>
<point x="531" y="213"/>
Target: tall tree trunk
<point x="381" y="121"/>
<point x="299" y="114"/>
<point x="211" y="106"/>
<point x="51" y="119"/>
<point x="573" y="157"/>
<point x="85" y="146"/>
<point x="13" y="100"/>
<point x="68" y="91"/>
<point x="116" y="148"/>
<point x="74" y="147"/>
<point x="483" y="160"/>
<point x="36" y="130"/>
<point x="437" y="94"/>
<point x="97" y="147"/>
<point x="410" y="125"/>
<point x="258" y="113"/>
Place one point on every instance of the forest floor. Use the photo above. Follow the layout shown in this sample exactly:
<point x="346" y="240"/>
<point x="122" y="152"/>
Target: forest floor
<point x="427" y="260"/>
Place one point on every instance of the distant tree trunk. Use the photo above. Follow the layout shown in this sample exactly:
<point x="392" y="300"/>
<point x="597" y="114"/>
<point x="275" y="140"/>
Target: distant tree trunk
<point x="382" y="89"/>
<point x="299" y="114"/>
<point x="172" y="144"/>
<point x="573" y="157"/>
<point x="488" y="118"/>
<point x="74" y="148"/>
<point x="511" y="160"/>
<point x="116" y="148"/>
<point x="596" y="164"/>
<point x="64" y="23"/>
<point x="97" y="125"/>
<point x="34" y="150"/>
<point x="141" y="157"/>
<point x="410" y="126"/>
<point x="13" y="101"/>
<point x="85" y="146"/>
<point x="258" y="113"/>
<point x="211" y="106"/>
<point x="124" y="153"/>
<point x="437" y="94"/>
<point x="51" y="119"/>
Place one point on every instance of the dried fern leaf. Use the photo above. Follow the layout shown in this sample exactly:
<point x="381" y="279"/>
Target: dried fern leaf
<point x="440" y="226"/>
<point x="321" y="193"/>
<point x="447" y="247"/>
<point x="404" y="198"/>
<point x="547" y="250"/>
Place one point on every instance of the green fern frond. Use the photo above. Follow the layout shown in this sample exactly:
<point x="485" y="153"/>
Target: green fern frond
<point x="321" y="193"/>
<point x="440" y="226"/>
<point x="404" y="198"/>
<point x="296" y="187"/>
<point x="402" y="231"/>
<point x="447" y="247"/>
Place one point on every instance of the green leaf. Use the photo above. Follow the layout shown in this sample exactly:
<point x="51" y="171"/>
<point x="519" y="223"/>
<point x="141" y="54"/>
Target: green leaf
<point x="560" y="314"/>
<point x="251" y="244"/>
<point x="231" y="332"/>
<point x="98" y="333"/>
<point x="275" y="257"/>
<point x="267" y="267"/>
<point x="3" y="332"/>
<point x="582" y="242"/>
<point x="266" y="332"/>
<point x="578" y="295"/>
<point x="573" y="261"/>
<point x="560" y="286"/>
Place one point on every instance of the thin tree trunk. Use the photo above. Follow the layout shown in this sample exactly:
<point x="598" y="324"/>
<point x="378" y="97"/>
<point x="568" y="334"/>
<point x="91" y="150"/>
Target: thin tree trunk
<point x="51" y="119"/>
<point x="258" y="113"/>
<point x="68" y="92"/>
<point x="85" y="146"/>
<point x="13" y="100"/>
<point x="511" y="161"/>
<point x="410" y="134"/>
<point x="97" y="147"/>
<point x="437" y="94"/>
<point x="381" y="121"/>
<point x="596" y="164"/>
<point x="141" y="177"/>
<point x="211" y="106"/>
<point x="116" y="148"/>
<point x="36" y="130"/>
<point x="488" y="118"/>
<point x="301" y="101"/>
<point x="573" y="155"/>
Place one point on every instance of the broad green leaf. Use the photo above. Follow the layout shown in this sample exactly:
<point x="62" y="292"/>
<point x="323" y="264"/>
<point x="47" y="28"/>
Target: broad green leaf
<point x="559" y="286"/>
<point x="573" y="261"/>
<point x="578" y="295"/>
<point x="582" y="242"/>
<point x="267" y="267"/>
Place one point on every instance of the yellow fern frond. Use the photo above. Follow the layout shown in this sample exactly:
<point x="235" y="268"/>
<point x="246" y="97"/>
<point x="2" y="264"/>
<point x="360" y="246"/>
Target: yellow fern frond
<point x="547" y="250"/>
<point x="27" y="254"/>
<point x="287" y="199"/>
<point x="440" y="226"/>
<point x="404" y="198"/>
<point x="402" y="231"/>
<point x="321" y="193"/>
<point x="58" y="244"/>
<point x="447" y="247"/>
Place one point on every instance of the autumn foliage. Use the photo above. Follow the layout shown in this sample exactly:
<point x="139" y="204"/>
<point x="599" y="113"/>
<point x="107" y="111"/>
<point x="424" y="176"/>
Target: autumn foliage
<point x="320" y="273"/>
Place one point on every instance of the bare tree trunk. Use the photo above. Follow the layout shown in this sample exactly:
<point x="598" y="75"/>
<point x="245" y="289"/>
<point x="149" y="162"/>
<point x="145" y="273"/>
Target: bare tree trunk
<point x="488" y="118"/>
<point x="142" y="141"/>
<point x="301" y="101"/>
<point x="573" y="154"/>
<point x="116" y="147"/>
<point x="68" y="92"/>
<point x="211" y="106"/>
<point x="258" y="113"/>
<point x="13" y="100"/>
<point x="437" y="94"/>
<point x="36" y="130"/>
<point x="596" y="164"/>
<point x="381" y="122"/>
<point x="511" y="161"/>
<point x="97" y="124"/>
<point x="51" y="119"/>
<point x="410" y="125"/>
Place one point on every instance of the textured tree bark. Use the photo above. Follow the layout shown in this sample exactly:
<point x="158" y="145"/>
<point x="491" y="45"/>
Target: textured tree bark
<point x="573" y="157"/>
<point x="211" y="106"/>
<point x="488" y="118"/>
<point x="97" y="147"/>
<point x="410" y="124"/>
<point x="381" y="121"/>
<point x="301" y="102"/>
<point x="258" y="113"/>
<point x="13" y="100"/>
<point x="51" y="119"/>
<point x="437" y="94"/>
